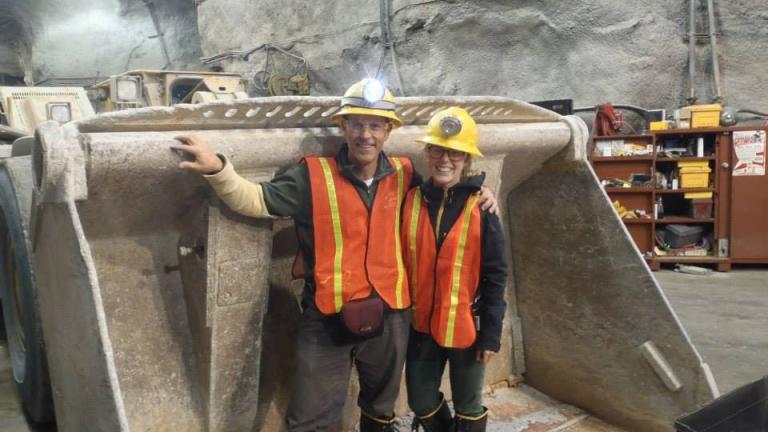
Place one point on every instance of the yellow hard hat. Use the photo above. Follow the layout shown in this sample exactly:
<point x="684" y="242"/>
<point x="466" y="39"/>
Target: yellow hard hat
<point x="452" y="128"/>
<point x="368" y="97"/>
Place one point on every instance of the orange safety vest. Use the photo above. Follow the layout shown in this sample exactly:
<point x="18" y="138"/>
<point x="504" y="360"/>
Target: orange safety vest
<point x="443" y="282"/>
<point x="345" y="268"/>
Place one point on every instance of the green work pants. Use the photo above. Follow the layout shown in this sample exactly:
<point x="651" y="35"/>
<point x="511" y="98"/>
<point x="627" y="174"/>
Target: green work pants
<point x="424" y="366"/>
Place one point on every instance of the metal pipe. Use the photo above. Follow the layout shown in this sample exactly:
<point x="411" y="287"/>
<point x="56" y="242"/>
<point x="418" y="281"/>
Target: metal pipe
<point x="713" y="48"/>
<point x="156" y="21"/>
<point x="692" y="51"/>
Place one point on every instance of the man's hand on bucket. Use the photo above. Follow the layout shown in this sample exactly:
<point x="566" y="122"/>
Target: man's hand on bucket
<point x="205" y="160"/>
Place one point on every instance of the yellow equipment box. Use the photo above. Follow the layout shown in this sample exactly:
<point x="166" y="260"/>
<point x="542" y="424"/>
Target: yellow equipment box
<point x="697" y="195"/>
<point x="660" y="125"/>
<point x="705" y="115"/>
<point x="692" y="165"/>
<point x="694" y="177"/>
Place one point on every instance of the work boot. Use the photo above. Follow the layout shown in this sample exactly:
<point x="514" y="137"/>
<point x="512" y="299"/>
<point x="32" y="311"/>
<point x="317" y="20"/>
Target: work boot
<point x="437" y="421"/>
<point x="377" y="424"/>
<point x="471" y="424"/>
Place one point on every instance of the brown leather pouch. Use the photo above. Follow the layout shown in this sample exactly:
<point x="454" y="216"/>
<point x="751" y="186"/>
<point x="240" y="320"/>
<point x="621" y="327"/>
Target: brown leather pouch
<point x="363" y="317"/>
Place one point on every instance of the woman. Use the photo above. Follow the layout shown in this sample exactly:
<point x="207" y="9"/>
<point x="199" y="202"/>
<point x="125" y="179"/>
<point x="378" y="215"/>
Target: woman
<point x="454" y="255"/>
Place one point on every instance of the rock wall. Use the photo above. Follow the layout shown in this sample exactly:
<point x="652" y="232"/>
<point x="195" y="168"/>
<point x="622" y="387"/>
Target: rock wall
<point x="591" y="51"/>
<point x="97" y="38"/>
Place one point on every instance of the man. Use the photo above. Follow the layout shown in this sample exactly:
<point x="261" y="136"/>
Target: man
<point x="347" y="216"/>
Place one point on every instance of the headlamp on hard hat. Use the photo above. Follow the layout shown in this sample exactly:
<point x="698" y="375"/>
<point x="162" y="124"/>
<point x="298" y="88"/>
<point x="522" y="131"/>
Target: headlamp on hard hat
<point x="373" y="96"/>
<point x="450" y="126"/>
<point x="368" y="97"/>
<point x="373" y="91"/>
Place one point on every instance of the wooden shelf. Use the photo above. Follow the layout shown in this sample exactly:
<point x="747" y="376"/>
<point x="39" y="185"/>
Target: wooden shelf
<point x="622" y="137"/>
<point x="681" y="191"/>
<point x="721" y="223"/>
<point x="621" y="158"/>
<point x="637" y="221"/>
<point x="683" y="220"/>
<point x="690" y="259"/>
<point x="628" y="190"/>
<point x="684" y="159"/>
<point x="723" y="263"/>
<point x="690" y="131"/>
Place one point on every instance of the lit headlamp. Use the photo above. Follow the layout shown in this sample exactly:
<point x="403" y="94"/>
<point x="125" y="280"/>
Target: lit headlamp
<point x="373" y="94"/>
<point x="373" y="91"/>
<point x="450" y="126"/>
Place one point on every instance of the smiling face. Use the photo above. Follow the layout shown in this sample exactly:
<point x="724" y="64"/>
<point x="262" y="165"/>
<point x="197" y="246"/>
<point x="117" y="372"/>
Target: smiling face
<point x="365" y="135"/>
<point x="445" y="165"/>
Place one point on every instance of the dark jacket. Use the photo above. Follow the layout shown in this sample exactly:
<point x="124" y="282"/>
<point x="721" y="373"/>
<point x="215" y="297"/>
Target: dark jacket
<point x="490" y="301"/>
<point x="289" y="194"/>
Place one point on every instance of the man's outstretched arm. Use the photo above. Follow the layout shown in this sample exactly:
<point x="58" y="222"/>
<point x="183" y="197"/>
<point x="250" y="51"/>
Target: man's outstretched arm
<point x="237" y="193"/>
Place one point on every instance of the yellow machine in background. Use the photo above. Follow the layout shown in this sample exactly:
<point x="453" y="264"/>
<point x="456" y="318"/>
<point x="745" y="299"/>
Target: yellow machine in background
<point x="141" y="88"/>
<point x="23" y="108"/>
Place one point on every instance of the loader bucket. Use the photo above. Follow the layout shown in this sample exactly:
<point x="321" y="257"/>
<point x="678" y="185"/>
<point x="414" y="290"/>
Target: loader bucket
<point x="164" y="310"/>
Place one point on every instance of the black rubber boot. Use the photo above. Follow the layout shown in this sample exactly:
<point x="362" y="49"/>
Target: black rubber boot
<point x="471" y="424"/>
<point x="376" y="424"/>
<point x="437" y="421"/>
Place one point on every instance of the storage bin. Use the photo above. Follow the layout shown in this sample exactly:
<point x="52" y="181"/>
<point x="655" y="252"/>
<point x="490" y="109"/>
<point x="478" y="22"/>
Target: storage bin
<point x="682" y="235"/>
<point x="697" y="195"/>
<point x="742" y="410"/>
<point x="694" y="177"/>
<point x="705" y="115"/>
<point x="693" y="164"/>
<point x="700" y="208"/>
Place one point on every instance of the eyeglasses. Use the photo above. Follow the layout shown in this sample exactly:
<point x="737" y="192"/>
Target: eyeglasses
<point x="374" y="127"/>
<point x="436" y="152"/>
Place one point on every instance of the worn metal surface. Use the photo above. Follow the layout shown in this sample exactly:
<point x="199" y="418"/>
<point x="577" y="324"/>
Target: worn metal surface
<point x="589" y="303"/>
<point x="166" y="290"/>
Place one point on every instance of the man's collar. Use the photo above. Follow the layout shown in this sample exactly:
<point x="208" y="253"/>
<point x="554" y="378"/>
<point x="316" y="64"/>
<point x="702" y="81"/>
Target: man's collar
<point x="383" y="169"/>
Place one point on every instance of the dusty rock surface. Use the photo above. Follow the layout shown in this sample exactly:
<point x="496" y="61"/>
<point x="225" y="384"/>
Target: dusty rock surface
<point x="590" y="51"/>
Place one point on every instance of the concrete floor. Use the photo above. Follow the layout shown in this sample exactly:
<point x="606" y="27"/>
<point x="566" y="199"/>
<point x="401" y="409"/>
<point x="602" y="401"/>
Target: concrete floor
<point x="724" y="313"/>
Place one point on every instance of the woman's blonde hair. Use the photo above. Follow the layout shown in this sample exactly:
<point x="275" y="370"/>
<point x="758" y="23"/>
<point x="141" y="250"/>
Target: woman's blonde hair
<point x="467" y="171"/>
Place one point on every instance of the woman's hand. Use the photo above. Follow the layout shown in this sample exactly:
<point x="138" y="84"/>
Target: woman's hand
<point x="488" y="201"/>
<point x="484" y="356"/>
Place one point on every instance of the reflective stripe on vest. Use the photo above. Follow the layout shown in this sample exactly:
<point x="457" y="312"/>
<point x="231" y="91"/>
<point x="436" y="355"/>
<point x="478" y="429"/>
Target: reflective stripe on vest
<point x="344" y="228"/>
<point x="443" y="283"/>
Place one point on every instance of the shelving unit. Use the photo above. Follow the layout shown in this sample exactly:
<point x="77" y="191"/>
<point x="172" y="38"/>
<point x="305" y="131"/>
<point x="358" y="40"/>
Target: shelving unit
<point x="693" y="145"/>
<point x="739" y="202"/>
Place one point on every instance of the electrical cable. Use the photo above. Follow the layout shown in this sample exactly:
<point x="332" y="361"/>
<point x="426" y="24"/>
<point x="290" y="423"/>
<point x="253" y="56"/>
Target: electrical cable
<point x="243" y="54"/>
<point x="388" y="44"/>
<point x="385" y="16"/>
<point x="412" y="5"/>
<point x="397" y="72"/>
<point x="753" y="112"/>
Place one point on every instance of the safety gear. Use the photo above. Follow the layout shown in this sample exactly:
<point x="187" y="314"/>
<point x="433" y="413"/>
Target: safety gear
<point x="368" y="97"/>
<point x="471" y="424"/>
<point x="375" y="424"/>
<point x="343" y="226"/>
<point x="437" y="421"/>
<point x="444" y="282"/>
<point x="452" y="128"/>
